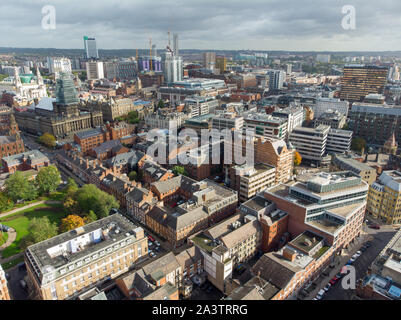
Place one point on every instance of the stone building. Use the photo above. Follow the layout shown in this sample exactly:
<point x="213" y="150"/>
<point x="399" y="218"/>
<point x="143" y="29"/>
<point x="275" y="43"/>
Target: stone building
<point x="61" y="117"/>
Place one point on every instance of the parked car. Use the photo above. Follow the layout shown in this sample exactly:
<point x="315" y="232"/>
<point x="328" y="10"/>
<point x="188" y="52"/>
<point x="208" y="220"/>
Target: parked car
<point x="363" y="249"/>
<point x="368" y="244"/>
<point x="327" y="287"/>
<point x="334" y="281"/>
<point x="374" y="226"/>
<point x="157" y="243"/>
<point x="209" y="289"/>
<point x="320" y="294"/>
<point x="151" y="238"/>
<point x="352" y="259"/>
<point x="23" y="284"/>
<point x="359" y="252"/>
<point x="339" y="275"/>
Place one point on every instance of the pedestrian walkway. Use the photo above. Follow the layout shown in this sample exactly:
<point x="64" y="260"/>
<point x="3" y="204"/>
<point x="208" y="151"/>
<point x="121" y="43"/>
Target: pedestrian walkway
<point x="2" y="215"/>
<point x="12" y="235"/>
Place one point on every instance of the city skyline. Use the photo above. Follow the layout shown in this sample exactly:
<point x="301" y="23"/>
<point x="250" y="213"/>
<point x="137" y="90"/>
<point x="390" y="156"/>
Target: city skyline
<point x="259" y="25"/>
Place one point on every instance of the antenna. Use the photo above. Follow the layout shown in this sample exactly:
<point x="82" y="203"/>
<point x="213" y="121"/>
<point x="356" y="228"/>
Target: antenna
<point x="168" y="32"/>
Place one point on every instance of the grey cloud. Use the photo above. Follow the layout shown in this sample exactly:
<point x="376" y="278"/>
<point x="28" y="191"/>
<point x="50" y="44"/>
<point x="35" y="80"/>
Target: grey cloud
<point x="221" y="24"/>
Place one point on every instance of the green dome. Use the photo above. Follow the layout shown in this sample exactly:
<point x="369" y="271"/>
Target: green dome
<point x="26" y="78"/>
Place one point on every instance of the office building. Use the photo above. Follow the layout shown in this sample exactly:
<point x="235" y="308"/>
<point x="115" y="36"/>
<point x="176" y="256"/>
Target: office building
<point x="57" y="65"/>
<point x="90" y="48"/>
<point x="94" y="70"/>
<point x="221" y="64"/>
<point x="375" y="123"/>
<point x="346" y="162"/>
<point x="173" y="71"/>
<point x="276" y="79"/>
<point x="338" y="141"/>
<point x="227" y="120"/>
<point x="322" y="105"/>
<point x="384" y="197"/>
<point x="209" y="60"/>
<point x="310" y="142"/>
<point x="294" y="116"/>
<point x="248" y="180"/>
<point x="359" y="80"/>
<point x="331" y="205"/>
<point x="64" y="266"/>
<point x="266" y="125"/>
<point x="226" y="245"/>
<point x="200" y="106"/>
<point x="331" y="118"/>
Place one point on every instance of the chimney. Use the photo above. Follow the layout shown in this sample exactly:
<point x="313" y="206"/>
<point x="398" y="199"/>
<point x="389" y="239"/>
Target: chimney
<point x="289" y="254"/>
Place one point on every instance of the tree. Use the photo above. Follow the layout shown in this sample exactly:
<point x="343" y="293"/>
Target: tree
<point x="90" y="217"/>
<point x="89" y="197"/>
<point x="179" y="170"/>
<point x="48" y="140"/>
<point x="40" y="229"/>
<point x="160" y="104"/>
<point x="70" y="188"/>
<point x="71" y="205"/>
<point x="297" y="159"/>
<point x="5" y="202"/>
<point x="19" y="188"/>
<point x="71" y="222"/>
<point x="358" y="144"/>
<point x="48" y="179"/>
<point x="132" y="175"/>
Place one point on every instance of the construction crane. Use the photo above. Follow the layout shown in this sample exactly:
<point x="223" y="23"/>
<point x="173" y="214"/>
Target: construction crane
<point x="150" y="53"/>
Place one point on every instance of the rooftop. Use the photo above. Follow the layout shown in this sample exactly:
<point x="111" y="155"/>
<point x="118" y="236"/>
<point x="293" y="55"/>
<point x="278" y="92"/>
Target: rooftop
<point x="72" y="246"/>
<point x="306" y="241"/>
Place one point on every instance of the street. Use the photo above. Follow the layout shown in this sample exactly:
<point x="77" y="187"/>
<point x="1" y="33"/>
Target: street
<point x="15" y="289"/>
<point x="380" y="238"/>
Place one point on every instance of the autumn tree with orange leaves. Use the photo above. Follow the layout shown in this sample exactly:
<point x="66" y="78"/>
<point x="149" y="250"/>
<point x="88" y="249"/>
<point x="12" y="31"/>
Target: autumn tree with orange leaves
<point x="71" y="222"/>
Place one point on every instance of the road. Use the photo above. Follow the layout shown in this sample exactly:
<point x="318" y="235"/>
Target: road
<point x="15" y="289"/>
<point x="380" y="238"/>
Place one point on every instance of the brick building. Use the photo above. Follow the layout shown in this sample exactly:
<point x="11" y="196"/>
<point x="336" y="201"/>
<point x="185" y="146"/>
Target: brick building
<point x="29" y="160"/>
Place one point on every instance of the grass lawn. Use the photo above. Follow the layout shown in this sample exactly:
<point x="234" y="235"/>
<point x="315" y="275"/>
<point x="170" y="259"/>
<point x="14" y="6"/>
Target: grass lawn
<point x="55" y="196"/>
<point x="20" y="221"/>
<point x="3" y="238"/>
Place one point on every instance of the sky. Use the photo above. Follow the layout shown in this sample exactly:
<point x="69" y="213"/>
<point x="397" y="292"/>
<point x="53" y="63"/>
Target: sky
<point x="291" y="25"/>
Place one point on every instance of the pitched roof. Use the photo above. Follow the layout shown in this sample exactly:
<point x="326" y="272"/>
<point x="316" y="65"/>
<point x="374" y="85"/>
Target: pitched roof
<point x="164" y="265"/>
<point x="274" y="269"/>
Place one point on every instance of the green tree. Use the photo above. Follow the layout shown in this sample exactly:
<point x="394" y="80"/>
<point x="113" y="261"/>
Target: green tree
<point x="90" y="217"/>
<point x="160" y="104"/>
<point x="89" y="197"/>
<point x="179" y="170"/>
<point x="18" y="187"/>
<point x="70" y="188"/>
<point x="358" y="144"/>
<point x="5" y="202"/>
<point x="48" y="140"/>
<point x="48" y="179"/>
<point x="40" y="229"/>
<point x="132" y="175"/>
